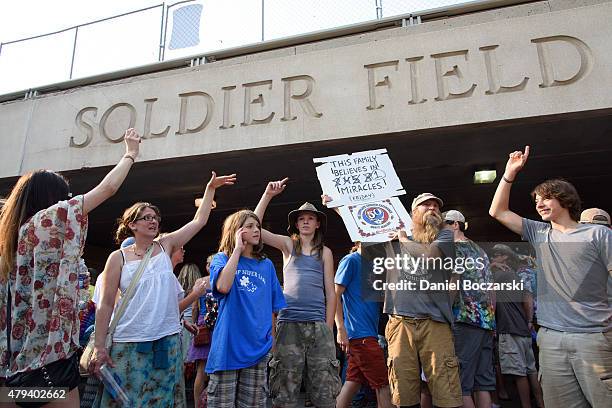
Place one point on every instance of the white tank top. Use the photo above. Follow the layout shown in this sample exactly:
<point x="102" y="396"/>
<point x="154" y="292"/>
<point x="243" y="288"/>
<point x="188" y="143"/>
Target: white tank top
<point x="153" y="312"/>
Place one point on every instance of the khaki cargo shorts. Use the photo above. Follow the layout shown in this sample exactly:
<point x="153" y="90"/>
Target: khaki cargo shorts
<point x="431" y="343"/>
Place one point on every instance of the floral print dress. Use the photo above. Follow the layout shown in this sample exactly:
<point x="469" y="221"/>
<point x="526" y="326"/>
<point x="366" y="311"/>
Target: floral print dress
<point x="44" y="289"/>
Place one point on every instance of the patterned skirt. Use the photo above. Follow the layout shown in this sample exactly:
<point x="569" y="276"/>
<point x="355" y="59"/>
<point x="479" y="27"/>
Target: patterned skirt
<point x="146" y="385"/>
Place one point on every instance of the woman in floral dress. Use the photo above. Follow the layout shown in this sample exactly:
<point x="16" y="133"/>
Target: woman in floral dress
<point x="42" y="234"/>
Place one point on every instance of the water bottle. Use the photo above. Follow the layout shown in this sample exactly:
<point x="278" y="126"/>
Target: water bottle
<point x="83" y="273"/>
<point x="112" y="384"/>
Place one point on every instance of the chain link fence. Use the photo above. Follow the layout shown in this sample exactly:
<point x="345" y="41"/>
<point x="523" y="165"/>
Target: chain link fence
<point x="167" y="31"/>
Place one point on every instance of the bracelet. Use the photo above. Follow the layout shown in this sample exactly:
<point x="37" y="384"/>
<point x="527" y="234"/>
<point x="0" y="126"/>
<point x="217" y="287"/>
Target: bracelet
<point x="127" y="156"/>
<point x="506" y="180"/>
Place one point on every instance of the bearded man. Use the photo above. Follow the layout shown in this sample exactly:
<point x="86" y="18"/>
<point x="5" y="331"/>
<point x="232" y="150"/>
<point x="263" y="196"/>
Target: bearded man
<point x="419" y="328"/>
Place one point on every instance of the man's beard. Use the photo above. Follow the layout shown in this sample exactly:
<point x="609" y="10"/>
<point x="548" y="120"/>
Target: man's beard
<point x="426" y="227"/>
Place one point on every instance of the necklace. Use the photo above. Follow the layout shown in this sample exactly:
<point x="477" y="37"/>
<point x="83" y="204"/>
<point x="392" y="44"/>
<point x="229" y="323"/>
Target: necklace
<point x="141" y="254"/>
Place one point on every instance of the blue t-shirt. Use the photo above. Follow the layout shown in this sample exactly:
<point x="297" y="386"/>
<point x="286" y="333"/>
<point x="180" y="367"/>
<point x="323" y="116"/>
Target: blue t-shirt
<point x="243" y="332"/>
<point x="360" y="317"/>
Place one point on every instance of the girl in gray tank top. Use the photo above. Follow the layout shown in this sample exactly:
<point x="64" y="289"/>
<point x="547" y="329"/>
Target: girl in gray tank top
<point x="304" y="336"/>
<point x="303" y="289"/>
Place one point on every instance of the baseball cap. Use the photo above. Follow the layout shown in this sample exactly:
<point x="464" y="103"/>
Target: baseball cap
<point x="421" y="198"/>
<point x="595" y="216"/>
<point x="453" y="215"/>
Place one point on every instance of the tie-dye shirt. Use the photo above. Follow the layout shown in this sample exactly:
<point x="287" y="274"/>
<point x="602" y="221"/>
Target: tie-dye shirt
<point x="474" y="307"/>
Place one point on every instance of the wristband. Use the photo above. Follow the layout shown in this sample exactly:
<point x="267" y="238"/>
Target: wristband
<point x="127" y="156"/>
<point x="506" y="180"/>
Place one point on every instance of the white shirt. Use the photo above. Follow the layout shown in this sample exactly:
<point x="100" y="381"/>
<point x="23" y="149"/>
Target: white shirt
<point x="153" y="311"/>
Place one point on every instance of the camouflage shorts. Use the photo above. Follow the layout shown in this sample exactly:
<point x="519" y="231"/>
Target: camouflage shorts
<point x="300" y="344"/>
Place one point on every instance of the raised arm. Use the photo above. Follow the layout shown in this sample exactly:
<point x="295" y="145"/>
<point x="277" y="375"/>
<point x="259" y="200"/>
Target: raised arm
<point x="328" y="281"/>
<point x="500" y="207"/>
<point x="326" y="199"/>
<point x="225" y="280"/>
<point x="113" y="180"/>
<point x="180" y="237"/>
<point x="280" y="242"/>
<point x="199" y="288"/>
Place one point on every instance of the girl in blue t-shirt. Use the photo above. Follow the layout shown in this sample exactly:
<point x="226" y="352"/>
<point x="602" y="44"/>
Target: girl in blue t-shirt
<point x="245" y="283"/>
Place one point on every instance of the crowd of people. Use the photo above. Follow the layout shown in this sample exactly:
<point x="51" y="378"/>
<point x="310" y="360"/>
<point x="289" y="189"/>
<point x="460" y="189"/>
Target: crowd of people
<point x="251" y="339"/>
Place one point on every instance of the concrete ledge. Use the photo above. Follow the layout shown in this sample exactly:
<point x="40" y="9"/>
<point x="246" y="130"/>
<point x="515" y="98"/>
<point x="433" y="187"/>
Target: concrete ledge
<point x="504" y="64"/>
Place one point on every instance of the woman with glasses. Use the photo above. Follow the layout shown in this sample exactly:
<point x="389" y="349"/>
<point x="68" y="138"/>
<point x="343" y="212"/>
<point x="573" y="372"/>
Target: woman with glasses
<point x="42" y="235"/>
<point x="146" y="353"/>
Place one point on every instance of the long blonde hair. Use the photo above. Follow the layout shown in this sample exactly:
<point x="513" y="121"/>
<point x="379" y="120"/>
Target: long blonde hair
<point x="228" y="234"/>
<point x="317" y="244"/>
<point x="33" y="192"/>
<point x="317" y="241"/>
<point x="188" y="276"/>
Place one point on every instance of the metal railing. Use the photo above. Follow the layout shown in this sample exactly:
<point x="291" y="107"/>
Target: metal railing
<point x="150" y="34"/>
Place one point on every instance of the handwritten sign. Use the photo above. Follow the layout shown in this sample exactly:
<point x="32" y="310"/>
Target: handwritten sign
<point x="373" y="222"/>
<point x="361" y="177"/>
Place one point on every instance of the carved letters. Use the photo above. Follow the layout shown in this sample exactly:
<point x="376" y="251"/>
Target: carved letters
<point x="443" y="93"/>
<point x="452" y="82"/>
<point x="132" y="113"/>
<point x="197" y="109"/>
<point x="208" y="102"/>
<point x="546" y="65"/>
<point x="494" y="74"/>
<point x="442" y="76"/>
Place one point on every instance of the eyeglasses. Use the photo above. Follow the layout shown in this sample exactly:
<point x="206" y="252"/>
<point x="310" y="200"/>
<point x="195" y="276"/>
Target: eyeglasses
<point x="149" y="218"/>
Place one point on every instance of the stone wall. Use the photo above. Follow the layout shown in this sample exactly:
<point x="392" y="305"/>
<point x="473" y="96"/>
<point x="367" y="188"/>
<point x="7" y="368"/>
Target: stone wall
<point x="531" y="60"/>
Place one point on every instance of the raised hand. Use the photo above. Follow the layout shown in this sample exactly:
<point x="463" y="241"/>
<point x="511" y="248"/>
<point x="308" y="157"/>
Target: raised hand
<point x="325" y="199"/>
<point x="274" y="188"/>
<point x="516" y="161"/>
<point x="199" y="286"/>
<point x="216" y="182"/>
<point x="132" y="142"/>
<point x="240" y="244"/>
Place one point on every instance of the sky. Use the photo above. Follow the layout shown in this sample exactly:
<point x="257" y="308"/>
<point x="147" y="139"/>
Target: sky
<point x="134" y="40"/>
